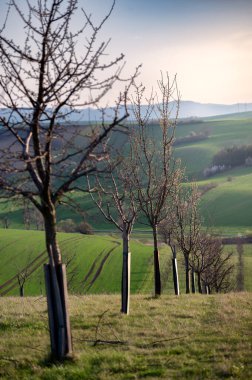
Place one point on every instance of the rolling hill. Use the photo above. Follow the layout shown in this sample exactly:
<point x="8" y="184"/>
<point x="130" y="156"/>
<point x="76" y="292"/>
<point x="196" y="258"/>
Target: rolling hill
<point x="227" y="198"/>
<point x="93" y="263"/>
<point x="187" y="109"/>
<point x="227" y="203"/>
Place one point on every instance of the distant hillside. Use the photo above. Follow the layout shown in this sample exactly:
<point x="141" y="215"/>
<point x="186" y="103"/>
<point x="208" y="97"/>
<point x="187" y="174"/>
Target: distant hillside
<point x="190" y="109"/>
<point x="187" y="109"/>
<point x="226" y="196"/>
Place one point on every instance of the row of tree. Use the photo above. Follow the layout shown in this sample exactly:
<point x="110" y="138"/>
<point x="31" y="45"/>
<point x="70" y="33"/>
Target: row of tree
<point x="58" y="68"/>
<point x="148" y="184"/>
<point x="232" y="156"/>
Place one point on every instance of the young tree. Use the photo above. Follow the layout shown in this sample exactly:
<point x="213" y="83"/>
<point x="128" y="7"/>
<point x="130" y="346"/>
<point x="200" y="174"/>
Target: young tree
<point x="240" y="268"/>
<point x="6" y="222"/>
<point x="113" y="194"/>
<point x="56" y="69"/>
<point x="203" y="254"/>
<point x="167" y="233"/>
<point x="155" y="174"/>
<point x="22" y="276"/>
<point x="188" y="226"/>
<point x="202" y="258"/>
<point x="216" y="267"/>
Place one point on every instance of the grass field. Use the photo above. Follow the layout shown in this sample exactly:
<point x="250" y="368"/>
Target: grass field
<point x="227" y="206"/>
<point x="95" y="263"/>
<point x="189" y="337"/>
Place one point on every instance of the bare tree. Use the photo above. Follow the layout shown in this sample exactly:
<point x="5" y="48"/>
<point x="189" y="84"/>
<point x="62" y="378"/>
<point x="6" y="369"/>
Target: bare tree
<point x="22" y="276"/>
<point x="113" y="194"/>
<point x="188" y="226"/>
<point x="155" y="173"/>
<point x="203" y="253"/>
<point x="41" y="158"/>
<point x="24" y="272"/>
<point x="6" y="222"/>
<point x="213" y="265"/>
<point x="167" y="233"/>
<point x="240" y="267"/>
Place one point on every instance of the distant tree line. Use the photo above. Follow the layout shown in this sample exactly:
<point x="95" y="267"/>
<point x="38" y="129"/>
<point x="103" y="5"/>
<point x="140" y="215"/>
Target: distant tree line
<point x="69" y="225"/>
<point x="227" y="158"/>
<point x="235" y="155"/>
<point x="190" y="120"/>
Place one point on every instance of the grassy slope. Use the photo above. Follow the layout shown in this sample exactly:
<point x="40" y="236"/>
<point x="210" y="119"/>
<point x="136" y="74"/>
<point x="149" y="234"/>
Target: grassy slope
<point x="18" y="248"/>
<point x="190" y="337"/>
<point x="222" y="133"/>
<point x="227" y="207"/>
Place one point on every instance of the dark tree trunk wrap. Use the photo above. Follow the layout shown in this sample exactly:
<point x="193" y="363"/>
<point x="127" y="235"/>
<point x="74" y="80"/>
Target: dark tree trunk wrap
<point x="59" y="325"/>
<point x="125" y="290"/>
<point x="187" y="274"/>
<point x="157" y="275"/>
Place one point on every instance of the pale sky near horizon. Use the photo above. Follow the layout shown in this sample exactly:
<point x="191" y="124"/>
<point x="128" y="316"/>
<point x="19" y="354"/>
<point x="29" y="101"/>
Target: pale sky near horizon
<point x="207" y="43"/>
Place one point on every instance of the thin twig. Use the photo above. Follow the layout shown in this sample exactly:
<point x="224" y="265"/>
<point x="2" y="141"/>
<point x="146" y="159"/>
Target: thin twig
<point x="155" y="343"/>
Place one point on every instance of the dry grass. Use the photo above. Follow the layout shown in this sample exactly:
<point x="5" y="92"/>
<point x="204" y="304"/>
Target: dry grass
<point x="190" y="337"/>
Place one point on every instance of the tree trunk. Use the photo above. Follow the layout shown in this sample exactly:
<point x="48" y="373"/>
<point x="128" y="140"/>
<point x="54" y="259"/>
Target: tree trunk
<point x="175" y="271"/>
<point x="157" y="275"/>
<point x="125" y="289"/>
<point x="51" y="237"/>
<point x="205" y="288"/>
<point x="199" y="283"/>
<point x="56" y="289"/>
<point x="21" y="291"/>
<point x="187" y="274"/>
<point x="240" y="272"/>
<point x="193" y="281"/>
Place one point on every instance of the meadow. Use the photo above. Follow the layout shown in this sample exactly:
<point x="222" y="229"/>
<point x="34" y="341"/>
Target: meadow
<point x="226" y="206"/>
<point x="187" y="337"/>
<point x="93" y="263"/>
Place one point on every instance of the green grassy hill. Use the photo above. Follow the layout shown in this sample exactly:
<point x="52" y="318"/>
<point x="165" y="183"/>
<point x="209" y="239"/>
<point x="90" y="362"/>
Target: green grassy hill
<point x="94" y="263"/>
<point x="227" y="206"/>
<point x="223" y="132"/>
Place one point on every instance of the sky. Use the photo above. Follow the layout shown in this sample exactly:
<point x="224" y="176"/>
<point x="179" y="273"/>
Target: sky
<point x="206" y="43"/>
